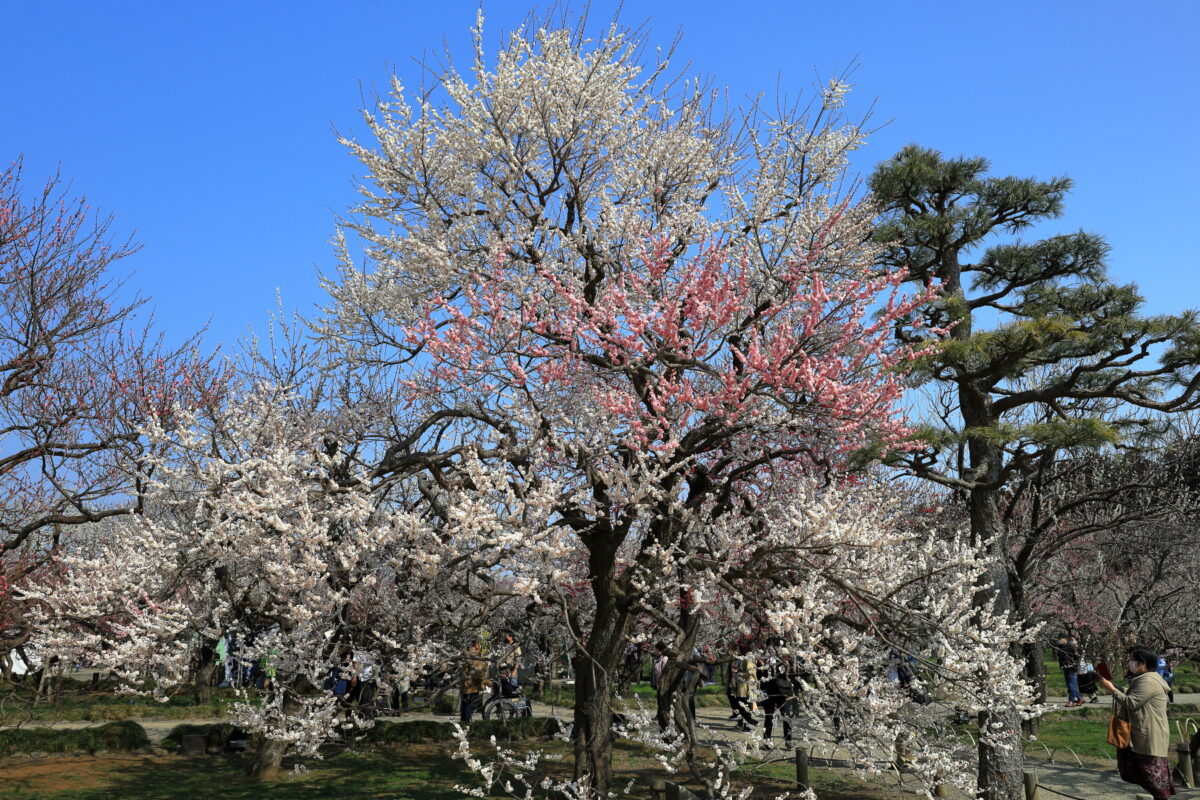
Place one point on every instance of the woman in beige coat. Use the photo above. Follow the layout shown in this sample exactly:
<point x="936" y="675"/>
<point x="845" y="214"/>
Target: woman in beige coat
<point x="1144" y="707"/>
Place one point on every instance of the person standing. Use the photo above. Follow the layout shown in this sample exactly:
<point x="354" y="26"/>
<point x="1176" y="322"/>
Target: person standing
<point x="474" y="680"/>
<point x="1144" y="706"/>
<point x="1068" y="660"/>
<point x="658" y="665"/>
<point x="742" y="676"/>
<point x="776" y="683"/>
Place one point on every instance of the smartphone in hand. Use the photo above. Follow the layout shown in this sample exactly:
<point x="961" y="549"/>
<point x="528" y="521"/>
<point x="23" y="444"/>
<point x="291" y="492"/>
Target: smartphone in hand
<point x="1103" y="671"/>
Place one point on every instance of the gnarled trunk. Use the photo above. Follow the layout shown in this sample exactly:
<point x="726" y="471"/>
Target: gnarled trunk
<point x="595" y="669"/>
<point x="206" y="664"/>
<point x="269" y="753"/>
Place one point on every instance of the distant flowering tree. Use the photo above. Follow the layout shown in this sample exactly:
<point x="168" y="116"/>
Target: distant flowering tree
<point x="266" y="518"/>
<point x="77" y="381"/>
<point x="1107" y="543"/>
<point x="647" y="325"/>
<point x="262" y="524"/>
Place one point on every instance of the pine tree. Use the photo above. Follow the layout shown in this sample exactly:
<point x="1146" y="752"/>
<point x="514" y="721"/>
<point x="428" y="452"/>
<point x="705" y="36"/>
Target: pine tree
<point x="1068" y="363"/>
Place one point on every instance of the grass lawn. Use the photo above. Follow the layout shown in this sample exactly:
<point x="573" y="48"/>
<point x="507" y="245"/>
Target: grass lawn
<point x="1187" y="677"/>
<point x="711" y="695"/>
<point x="1086" y="732"/>
<point x="412" y="772"/>
<point x="81" y="704"/>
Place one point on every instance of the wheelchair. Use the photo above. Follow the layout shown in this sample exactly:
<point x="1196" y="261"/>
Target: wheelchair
<point x="498" y="707"/>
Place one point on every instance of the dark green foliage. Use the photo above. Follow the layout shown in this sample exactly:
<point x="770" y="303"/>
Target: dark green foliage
<point x="216" y="735"/>
<point x="410" y="732"/>
<point x="418" y="731"/>
<point x="1066" y="339"/>
<point x="115" y="737"/>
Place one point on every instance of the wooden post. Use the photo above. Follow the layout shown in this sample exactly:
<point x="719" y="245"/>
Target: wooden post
<point x="1185" y="764"/>
<point x="940" y="790"/>
<point x="801" y="768"/>
<point x="1031" y="786"/>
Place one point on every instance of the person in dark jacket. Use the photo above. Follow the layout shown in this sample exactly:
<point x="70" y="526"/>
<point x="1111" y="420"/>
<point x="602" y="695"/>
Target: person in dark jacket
<point x="1068" y="660"/>
<point x="777" y="681"/>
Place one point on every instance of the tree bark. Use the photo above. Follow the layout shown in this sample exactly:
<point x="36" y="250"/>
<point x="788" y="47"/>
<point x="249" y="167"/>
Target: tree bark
<point x="1001" y="758"/>
<point x="595" y="671"/>
<point x="202" y="679"/>
<point x="268" y="758"/>
<point x="671" y="682"/>
<point x="268" y="753"/>
<point x="1031" y="652"/>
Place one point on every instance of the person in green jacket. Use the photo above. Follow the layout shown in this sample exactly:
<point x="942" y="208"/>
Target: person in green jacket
<point x="1144" y="707"/>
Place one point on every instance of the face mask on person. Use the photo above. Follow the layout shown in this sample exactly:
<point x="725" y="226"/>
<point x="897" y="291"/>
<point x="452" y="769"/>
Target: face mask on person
<point x="1133" y="666"/>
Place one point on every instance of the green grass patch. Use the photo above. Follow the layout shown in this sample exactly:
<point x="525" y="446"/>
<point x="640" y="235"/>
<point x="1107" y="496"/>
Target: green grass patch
<point x="413" y="773"/>
<point x="407" y="772"/>
<point x="1086" y="731"/>
<point x="80" y="705"/>
<point x="710" y="696"/>
<point x="115" y="737"/>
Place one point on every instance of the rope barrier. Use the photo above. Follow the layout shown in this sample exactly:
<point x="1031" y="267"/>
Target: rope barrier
<point x="1042" y="788"/>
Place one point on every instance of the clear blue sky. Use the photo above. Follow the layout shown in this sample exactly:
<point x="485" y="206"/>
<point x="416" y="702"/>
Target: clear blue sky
<point x="207" y="128"/>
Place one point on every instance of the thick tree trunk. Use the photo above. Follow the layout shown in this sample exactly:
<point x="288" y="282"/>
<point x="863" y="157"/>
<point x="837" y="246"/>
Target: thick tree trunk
<point x="595" y="671"/>
<point x="268" y="758"/>
<point x="667" y="711"/>
<point x="1031" y="652"/>
<point x="202" y="679"/>
<point x="1001" y="758"/>
<point x="1035" y="673"/>
<point x="268" y="753"/>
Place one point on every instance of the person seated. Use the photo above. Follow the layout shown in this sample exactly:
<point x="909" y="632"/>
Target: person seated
<point x="509" y="685"/>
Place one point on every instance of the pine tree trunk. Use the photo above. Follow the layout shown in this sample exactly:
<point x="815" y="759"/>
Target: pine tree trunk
<point x="1001" y="761"/>
<point x="1031" y="652"/>
<point x="1001" y="758"/>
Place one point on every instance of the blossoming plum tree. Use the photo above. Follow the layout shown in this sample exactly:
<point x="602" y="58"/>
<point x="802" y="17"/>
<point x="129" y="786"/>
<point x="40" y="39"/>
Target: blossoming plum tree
<point x="655" y="318"/>
<point x="78" y="378"/>
<point x="614" y="356"/>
